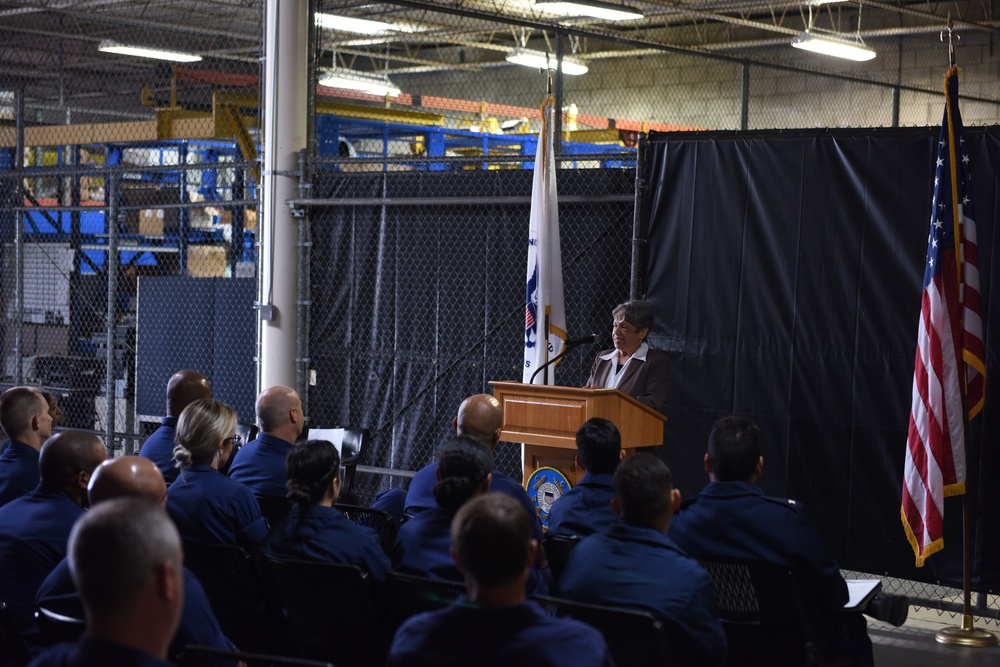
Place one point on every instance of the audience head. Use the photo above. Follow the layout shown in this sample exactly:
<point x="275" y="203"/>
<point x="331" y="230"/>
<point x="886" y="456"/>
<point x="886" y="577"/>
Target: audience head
<point x="599" y="446"/>
<point x="644" y="492"/>
<point x="734" y="451"/>
<point x="491" y="541"/>
<point x="205" y="434"/>
<point x="183" y="389"/>
<point x="127" y="476"/>
<point x="279" y="412"/>
<point x="126" y="561"/>
<point x="464" y="470"/>
<point x="67" y="461"/>
<point x="313" y="473"/>
<point x="54" y="410"/>
<point x="24" y="416"/>
<point x="480" y="417"/>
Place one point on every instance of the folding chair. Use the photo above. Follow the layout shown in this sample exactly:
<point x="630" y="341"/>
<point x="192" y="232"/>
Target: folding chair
<point x="58" y="627"/>
<point x="381" y="522"/>
<point x="13" y="650"/>
<point x="557" y="550"/>
<point x="195" y="656"/>
<point x="411" y="594"/>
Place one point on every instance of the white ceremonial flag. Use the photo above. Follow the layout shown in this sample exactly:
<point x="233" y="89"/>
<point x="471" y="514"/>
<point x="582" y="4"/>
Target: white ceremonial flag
<point x="544" y="290"/>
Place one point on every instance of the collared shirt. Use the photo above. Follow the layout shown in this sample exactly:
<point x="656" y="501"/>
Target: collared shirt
<point x="34" y="530"/>
<point x="209" y="507"/>
<point x="325" y="534"/>
<point x="260" y="465"/>
<point x="586" y="508"/>
<point x="18" y="471"/>
<point x="91" y="651"/>
<point x="615" y="376"/>
<point x="420" y="495"/>
<point x="198" y="623"/>
<point x="159" y="448"/>
<point x="633" y="566"/>
<point x="465" y="634"/>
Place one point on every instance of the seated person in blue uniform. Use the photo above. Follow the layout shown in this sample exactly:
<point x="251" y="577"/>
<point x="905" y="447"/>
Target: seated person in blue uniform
<point x="732" y="520"/>
<point x="492" y="547"/>
<point x="479" y="417"/>
<point x="423" y="543"/>
<point x="260" y="463"/>
<point x="632" y="367"/>
<point x="25" y="418"/>
<point x="586" y="508"/>
<point x="206" y="505"/>
<point x="183" y="389"/>
<point x="635" y="564"/>
<point x="136" y="477"/>
<point x="125" y="557"/>
<point x="34" y="527"/>
<point x="314" y="529"/>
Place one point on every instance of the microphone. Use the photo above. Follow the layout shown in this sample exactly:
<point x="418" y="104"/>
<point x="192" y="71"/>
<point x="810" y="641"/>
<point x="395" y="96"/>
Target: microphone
<point x="582" y="340"/>
<point x="568" y="345"/>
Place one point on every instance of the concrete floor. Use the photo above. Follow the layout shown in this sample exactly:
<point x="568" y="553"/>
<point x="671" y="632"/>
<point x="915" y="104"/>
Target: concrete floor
<point x="913" y="644"/>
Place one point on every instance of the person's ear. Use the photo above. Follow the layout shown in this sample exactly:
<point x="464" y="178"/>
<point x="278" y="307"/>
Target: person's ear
<point x="532" y="553"/>
<point x="335" y="487"/>
<point x="454" y="424"/>
<point x="167" y="582"/>
<point x="616" y="506"/>
<point x="708" y="464"/>
<point x="486" y="483"/>
<point x="675" y="499"/>
<point x="643" y="333"/>
<point x="35" y="423"/>
<point x="578" y="462"/>
<point x="621" y="455"/>
<point x="456" y="559"/>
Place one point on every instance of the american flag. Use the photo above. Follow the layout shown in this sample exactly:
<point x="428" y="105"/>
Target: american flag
<point x="949" y="372"/>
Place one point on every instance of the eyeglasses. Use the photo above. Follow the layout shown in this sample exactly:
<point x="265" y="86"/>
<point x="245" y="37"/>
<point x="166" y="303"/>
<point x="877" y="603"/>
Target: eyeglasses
<point x="236" y="440"/>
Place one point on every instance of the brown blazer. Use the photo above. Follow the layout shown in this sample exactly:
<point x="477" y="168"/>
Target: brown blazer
<point x="645" y="381"/>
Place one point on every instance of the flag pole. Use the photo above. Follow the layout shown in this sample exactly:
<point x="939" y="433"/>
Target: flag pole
<point x="968" y="634"/>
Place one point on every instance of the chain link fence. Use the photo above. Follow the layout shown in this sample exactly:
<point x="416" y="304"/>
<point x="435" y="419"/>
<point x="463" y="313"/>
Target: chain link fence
<point x="129" y="185"/>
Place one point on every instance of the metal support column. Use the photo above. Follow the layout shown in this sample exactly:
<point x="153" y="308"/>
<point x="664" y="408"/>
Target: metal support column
<point x="111" y="267"/>
<point x="285" y="95"/>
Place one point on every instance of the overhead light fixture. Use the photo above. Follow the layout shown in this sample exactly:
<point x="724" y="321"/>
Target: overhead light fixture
<point x="349" y="79"/>
<point x="110" y="46"/>
<point x="350" y="24"/>
<point x="609" y="11"/>
<point x="833" y="46"/>
<point x="539" y="60"/>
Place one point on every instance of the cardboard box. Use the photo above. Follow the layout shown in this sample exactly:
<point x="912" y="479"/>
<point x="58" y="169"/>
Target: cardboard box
<point x="207" y="261"/>
<point x="151" y="222"/>
<point x="250" y="219"/>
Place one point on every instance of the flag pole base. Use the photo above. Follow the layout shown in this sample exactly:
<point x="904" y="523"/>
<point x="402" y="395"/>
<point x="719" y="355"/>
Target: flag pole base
<point x="967" y="635"/>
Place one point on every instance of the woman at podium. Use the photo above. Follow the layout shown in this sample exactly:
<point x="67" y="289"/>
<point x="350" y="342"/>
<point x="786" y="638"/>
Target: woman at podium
<point x="632" y="367"/>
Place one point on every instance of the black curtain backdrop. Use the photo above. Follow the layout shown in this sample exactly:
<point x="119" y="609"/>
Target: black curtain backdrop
<point x="785" y="272"/>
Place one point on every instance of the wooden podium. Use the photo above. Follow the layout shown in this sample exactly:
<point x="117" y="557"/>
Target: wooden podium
<point x="545" y="418"/>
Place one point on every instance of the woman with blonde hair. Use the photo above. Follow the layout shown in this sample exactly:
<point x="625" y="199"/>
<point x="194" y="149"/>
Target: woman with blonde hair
<point x="206" y="505"/>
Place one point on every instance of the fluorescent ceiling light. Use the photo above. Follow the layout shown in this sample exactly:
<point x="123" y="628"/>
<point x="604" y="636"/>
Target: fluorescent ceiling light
<point x="373" y="84"/>
<point x="350" y="24"/>
<point x="609" y="11"/>
<point x="537" y="59"/>
<point x="833" y="46"/>
<point x="109" y="46"/>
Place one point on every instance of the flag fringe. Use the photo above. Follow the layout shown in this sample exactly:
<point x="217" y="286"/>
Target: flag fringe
<point x="929" y="550"/>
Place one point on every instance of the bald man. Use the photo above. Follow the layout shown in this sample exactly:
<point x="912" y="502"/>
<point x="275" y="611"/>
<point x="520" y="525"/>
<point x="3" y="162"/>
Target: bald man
<point x="28" y="424"/>
<point x="126" y="559"/>
<point x="34" y="528"/>
<point x="136" y="477"/>
<point x="183" y="389"/>
<point x="480" y="418"/>
<point x="260" y="463"/>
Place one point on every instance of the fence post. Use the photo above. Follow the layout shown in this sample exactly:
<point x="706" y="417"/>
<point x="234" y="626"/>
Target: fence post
<point x="111" y="268"/>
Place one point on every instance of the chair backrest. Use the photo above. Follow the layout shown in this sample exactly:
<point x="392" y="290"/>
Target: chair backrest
<point x="353" y="443"/>
<point x="232" y="582"/>
<point x="13" y="650"/>
<point x="334" y="611"/>
<point x="57" y="628"/>
<point x="634" y="637"/>
<point x="196" y="656"/>
<point x="557" y="550"/>
<point x="411" y="594"/>
<point x="274" y="508"/>
<point x="381" y="522"/>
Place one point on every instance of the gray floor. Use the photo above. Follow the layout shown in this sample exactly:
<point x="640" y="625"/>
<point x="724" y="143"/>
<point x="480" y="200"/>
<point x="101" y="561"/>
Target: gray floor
<point x="913" y="644"/>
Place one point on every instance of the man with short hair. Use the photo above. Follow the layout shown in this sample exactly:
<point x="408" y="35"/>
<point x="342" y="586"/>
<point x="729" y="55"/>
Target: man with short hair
<point x="136" y="477"/>
<point x="492" y="546"/>
<point x="635" y="564"/>
<point x="260" y="463"/>
<point x="126" y="560"/>
<point x="183" y="389"/>
<point x="34" y="527"/>
<point x="24" y="417"/>
<point x="586" y="508"/>
<point x="733" y="520"/>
